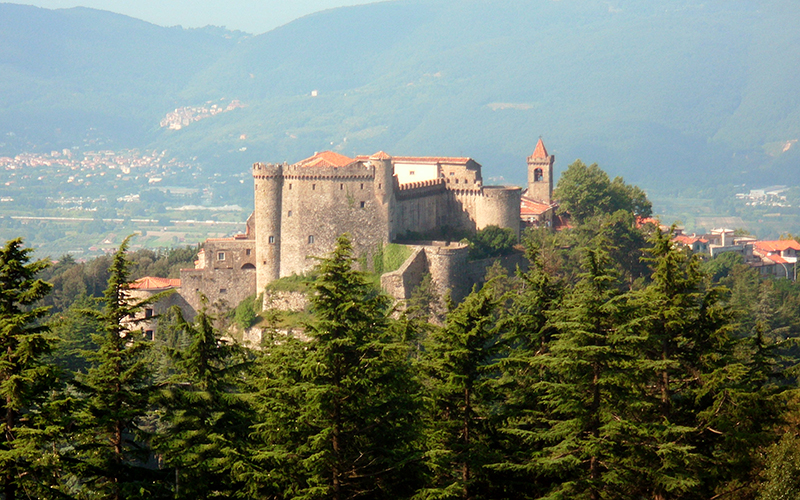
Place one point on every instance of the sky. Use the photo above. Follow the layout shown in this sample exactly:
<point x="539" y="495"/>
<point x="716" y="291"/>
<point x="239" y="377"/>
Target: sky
<point x="252" y="16"/>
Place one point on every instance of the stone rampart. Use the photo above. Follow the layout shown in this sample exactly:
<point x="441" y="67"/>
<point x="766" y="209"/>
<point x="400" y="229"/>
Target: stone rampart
<point x="320" y="204"/>
<point x="285" y="301"/>
<point x="499" y="206"/>
<point x="422" y="188"/>
<point x="223" y="287"/>
<point x="447" y="265"/>
<point x="400" y="283"/>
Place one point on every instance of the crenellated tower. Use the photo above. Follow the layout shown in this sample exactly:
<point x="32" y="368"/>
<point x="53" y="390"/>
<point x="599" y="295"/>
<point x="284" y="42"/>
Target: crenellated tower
<point x="268" y="183"/>
<point x="384" y="188"/>
<point x="540" y="174"/>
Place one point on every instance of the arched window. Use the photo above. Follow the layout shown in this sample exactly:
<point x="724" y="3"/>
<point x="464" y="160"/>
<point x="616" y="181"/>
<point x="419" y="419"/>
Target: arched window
<point x="311" y="239"/>
<point x="248" y="266"/>
<point x="537" y="175"/>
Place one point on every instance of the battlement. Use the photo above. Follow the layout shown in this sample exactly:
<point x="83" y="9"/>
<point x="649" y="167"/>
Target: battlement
<point x="355" y="170"/>
<point x="421" y="188"/>
<point x="267" y="170"/>
<point x="501" y="191"/>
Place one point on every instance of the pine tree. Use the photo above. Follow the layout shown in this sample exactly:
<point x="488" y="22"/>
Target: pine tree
<point x="340" y="420"/>
<point x="111" y="443"/>
<point x="584" y="390"/>
<point x="461" y="435"/>
<point x="703" y="404"/>
<point x="24" y="340"/>
<point x="205" y="415"/>
<point x="526" y="336"/>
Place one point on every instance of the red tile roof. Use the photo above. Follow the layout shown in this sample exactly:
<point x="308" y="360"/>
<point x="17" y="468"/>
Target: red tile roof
<point x="776" y="258"/>
<point x="432" y="159"/>
<point x="540" y="151"/>
<point x="776" y="245"/>
<point x="154" y="283"/>
<point x="380" y="155"/>
<point x="688" y="240"/>
<point x="531" y="208"/>
<point x="326" y="159"/>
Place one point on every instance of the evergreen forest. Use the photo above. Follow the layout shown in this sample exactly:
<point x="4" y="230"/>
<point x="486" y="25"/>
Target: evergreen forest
<point x="615" y="365"/>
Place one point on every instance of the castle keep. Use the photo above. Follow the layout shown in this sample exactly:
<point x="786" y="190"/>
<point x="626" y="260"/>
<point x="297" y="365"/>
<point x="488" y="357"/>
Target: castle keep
<point x="301" y="209"/>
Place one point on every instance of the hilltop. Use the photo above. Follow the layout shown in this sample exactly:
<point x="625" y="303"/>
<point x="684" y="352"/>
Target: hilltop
<point x="665" y="93"/>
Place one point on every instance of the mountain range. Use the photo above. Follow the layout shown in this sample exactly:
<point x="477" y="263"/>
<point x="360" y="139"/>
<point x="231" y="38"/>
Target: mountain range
<point x="667" y="93"/>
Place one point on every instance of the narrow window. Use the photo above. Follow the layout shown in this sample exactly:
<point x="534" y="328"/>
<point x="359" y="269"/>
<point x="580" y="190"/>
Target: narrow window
<point x="272" y="239"/>
<point x="537" y="175"/>
<point x="341" y="186"/>
<point x="290" y="186"/>
<point x="148" y="334"/>
<point x="313" y="187"/>
<point x="310" y="239"/>
<point x="247" y="252"/>
<point x="379" y="185"/>
<point x="362" y="204"/>
<point x="362" y="186"/>
<point x="456" y="181"/>
<point x="289" y="214"/>
<point x="148" y="313"/>
<point x="221" y="256"/>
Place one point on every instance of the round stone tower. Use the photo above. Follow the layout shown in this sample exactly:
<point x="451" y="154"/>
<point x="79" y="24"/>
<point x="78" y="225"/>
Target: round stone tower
<point x="268" y="182"/>
<point x="499" y="206"/>
<point x="384" y="189"/>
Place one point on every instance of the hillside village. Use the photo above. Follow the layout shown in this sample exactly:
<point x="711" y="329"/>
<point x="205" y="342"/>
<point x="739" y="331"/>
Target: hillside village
<point x="302" y="209"/>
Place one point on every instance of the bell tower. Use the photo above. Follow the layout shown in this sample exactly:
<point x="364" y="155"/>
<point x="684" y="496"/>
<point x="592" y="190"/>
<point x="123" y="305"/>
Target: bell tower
<point x="540" y="174"/>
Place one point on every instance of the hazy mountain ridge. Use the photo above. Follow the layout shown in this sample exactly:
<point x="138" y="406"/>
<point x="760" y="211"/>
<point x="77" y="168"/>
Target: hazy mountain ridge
<point x="655" y="91"/>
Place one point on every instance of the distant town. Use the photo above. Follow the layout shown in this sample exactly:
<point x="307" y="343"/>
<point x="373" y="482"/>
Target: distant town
<point x="187" y="115"/>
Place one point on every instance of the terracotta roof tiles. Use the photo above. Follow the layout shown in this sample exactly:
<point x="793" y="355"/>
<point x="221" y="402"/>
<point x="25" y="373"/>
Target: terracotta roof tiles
<point x="776" y="245"/>
<point x="326" y="159"/>
<point x="155" y="283"/>
<point x="540" y="151"/>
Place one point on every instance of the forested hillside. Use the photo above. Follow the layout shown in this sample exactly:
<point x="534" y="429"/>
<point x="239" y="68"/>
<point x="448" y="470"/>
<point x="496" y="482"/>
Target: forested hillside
<point x="687" y="92"/>
<point x="618" y="365"/>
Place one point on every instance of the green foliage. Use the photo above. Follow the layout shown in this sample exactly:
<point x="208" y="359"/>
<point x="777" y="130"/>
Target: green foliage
<point x="245" y="314"/>
<point x="293" y="283"/>
<point x="491" y="241"/>
<point x="584" y="192"/>
<point x="110" y="441"/>
<point x="75" y="329"/>
<point x="782" y="469"/>
<point x="394" y="256"/>
<point x="350" y="392"/>
<point x="24" y="378"/>
<point x="461" y="431"/>
<point x="721" y="266"/>
<point x="206" y="419"/>
<point x="71" y="279"/>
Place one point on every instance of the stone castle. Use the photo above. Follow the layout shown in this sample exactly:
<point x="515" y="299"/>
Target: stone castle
<point x="301" y="209"/>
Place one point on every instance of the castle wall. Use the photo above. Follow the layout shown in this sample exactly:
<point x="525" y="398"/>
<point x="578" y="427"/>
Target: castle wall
<point x="321" y="203"/>
<point x="224" y="288"/>
<point x="400" y="283"/>
<point x="422" y="208"/>
<point x="447" y="263"/>
<point x="226" y="277"/>
<point x="499" y="206"/>
<point x="463" y="209"/>
<point x="268" y="184"/>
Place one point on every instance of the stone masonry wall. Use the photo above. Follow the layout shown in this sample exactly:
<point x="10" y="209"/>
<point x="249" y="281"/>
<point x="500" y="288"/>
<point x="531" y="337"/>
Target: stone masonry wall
<point x="320" y="204"/>
<point x="223" y="287"/>
<point x="400" y="283"/>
